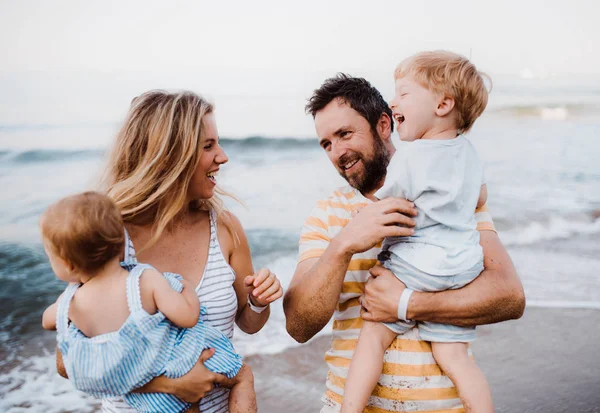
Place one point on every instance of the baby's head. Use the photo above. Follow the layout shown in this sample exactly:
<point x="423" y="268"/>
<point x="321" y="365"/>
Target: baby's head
<point x="437" y="91"/>
<point x="81" y="234"/>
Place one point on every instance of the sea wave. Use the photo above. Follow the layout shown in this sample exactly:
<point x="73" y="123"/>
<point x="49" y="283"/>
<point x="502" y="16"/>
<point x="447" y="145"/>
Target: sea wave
<point x="253" y="143"/>
<point x="46" y="155"/>
<point x="551" y="228"/>
<point x="548" y="111"/>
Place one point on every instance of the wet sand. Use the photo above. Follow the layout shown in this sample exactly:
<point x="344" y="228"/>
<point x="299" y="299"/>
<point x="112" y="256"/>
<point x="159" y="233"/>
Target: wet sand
<point x="548" y="361"/>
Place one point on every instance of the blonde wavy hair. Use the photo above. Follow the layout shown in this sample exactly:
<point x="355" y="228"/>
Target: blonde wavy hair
<point x="452" y="75"/>
<point x="154" y="158"/>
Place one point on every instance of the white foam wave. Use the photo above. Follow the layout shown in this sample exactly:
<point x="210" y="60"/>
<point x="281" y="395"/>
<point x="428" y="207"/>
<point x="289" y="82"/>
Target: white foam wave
<point x="554" y="228"/>
<point x="273" y="338"/>
<point x="34" y="386"/>
<point x="560" y="113"/>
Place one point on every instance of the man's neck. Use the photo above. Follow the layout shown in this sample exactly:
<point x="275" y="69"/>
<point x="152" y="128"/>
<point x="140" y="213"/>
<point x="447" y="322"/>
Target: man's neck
<point x="371" y="194"/>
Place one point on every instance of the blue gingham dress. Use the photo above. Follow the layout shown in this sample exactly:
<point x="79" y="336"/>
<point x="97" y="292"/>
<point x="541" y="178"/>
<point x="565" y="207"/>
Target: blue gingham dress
<point x="146" y="346"/>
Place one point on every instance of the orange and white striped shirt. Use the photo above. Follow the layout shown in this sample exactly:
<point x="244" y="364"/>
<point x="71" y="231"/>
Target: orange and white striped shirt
<point x="411" y="380"/>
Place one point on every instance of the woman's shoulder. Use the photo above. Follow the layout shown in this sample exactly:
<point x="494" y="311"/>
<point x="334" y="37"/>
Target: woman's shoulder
<point x="230" y="232"/>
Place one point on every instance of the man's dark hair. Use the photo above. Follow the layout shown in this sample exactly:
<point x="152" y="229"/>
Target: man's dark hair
<point x="354" y="91"/>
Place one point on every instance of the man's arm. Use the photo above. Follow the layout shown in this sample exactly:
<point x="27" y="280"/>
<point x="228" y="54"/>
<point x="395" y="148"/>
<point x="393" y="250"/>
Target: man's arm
<point x="496" y="295"/>
<point x="314" y="291"/>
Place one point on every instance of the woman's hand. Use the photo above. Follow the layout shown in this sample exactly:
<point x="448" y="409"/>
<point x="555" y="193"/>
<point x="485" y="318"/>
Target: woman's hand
<point x="263" y="287"/>
<point x="197" y="382"/>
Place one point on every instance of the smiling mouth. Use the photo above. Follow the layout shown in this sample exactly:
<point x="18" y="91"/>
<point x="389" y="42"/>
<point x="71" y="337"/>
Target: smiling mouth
<point x="349" y="164"/>
<point x="398" y="118"/>
<point x="212" y="176"/>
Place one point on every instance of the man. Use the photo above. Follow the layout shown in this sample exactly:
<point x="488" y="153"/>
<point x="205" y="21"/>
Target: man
<point x="339" y="245"/>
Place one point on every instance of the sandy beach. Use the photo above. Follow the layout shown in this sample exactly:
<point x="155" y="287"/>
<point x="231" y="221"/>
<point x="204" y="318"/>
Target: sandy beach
<point x="545" y="362"/>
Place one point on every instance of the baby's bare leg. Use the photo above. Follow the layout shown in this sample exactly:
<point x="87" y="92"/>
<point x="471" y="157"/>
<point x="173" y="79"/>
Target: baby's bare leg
<point x="473" y="389"/>
<point x="194" y="409"/>
<point x="242" y="398"/>
<point x="366" y="366"/>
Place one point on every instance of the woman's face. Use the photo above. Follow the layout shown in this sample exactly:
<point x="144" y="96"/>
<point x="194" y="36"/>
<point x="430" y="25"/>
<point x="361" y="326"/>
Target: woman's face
<point x="204" y="180"/>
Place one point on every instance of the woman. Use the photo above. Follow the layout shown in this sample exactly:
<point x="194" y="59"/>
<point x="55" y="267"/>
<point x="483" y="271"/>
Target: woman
<point x="162" y="175"/>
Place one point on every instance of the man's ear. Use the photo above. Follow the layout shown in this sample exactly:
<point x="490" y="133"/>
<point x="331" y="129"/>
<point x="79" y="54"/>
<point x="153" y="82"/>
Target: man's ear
<point x="384" y="126"/>
<point x="445" y="106"/>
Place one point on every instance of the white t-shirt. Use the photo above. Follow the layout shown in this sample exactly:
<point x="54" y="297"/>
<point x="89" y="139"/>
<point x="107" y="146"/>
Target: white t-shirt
<point x="443" y="178"/>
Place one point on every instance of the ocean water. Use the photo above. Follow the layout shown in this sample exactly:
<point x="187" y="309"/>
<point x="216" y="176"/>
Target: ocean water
<point x="542" y="156"/>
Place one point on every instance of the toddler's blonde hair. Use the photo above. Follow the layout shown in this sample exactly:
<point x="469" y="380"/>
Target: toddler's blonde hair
<point x="451" y="75"/>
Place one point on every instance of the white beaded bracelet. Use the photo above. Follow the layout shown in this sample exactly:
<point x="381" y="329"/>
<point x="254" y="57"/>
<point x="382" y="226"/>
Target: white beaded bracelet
<point x="256" y="309"/>
<point x="403" y="303"/>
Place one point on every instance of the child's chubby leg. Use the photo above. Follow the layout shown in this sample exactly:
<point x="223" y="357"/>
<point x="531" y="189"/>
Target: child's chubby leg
<point x="242" y="398"/>
<point x="366" y="365"/>
<point x="473" y="389"/>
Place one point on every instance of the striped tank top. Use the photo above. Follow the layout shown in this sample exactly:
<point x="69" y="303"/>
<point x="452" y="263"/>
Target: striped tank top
<point x="217" y="294"/>
<point x="411" y="380"/>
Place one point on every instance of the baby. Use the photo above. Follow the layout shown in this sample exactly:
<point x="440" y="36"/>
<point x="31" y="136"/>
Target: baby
<point x="439" y="95"/>
<point x="118" y="329"/>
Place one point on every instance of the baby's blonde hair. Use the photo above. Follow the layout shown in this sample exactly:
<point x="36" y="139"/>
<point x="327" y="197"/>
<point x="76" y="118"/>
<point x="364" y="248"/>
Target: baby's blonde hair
<point x="451" y="75"/>
<point x="85" y="230"/>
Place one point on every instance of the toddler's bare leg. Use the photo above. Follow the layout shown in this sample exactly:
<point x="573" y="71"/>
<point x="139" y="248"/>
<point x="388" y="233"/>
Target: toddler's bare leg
<point x="473" y="389"/>
<point x="366" y="366"/>
<point x="242" y="398"/>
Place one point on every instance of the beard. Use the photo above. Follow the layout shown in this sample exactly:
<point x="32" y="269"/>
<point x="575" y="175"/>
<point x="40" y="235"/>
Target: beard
<point x="374" y="167"/>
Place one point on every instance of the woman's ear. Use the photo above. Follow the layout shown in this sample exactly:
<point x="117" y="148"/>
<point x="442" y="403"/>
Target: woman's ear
<point x="445" y="106"/>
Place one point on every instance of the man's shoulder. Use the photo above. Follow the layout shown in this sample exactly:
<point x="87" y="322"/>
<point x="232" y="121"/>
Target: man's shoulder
<point x="342" y="200"/>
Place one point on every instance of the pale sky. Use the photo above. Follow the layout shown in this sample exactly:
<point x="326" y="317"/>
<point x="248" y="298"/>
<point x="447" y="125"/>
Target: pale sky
<point x="73" y="52"/>
<point x="506" y="36"/>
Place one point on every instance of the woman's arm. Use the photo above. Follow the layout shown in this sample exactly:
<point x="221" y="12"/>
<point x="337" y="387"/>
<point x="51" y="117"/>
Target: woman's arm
<point x="264" y="286"/>
<point x="191" y="387"/>
<point x="496" y="295"/>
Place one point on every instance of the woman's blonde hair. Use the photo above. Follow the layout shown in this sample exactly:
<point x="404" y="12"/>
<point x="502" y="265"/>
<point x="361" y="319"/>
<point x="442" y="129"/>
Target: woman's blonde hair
<point x="154" y="158"/>
<point x="452" y="75"/>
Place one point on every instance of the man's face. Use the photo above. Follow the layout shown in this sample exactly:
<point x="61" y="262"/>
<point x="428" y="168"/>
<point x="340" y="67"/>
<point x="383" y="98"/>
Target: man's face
<point x="347" y="138"/>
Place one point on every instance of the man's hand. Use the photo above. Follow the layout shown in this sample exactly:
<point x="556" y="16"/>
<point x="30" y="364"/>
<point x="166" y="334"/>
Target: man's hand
<point x="387" y="218"/>
<point x="382" y="293"/>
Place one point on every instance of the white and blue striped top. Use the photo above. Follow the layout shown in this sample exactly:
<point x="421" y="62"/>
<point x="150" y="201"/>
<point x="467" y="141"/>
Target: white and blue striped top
<point x="217" y="294"/>
<point x="146" y="346"/>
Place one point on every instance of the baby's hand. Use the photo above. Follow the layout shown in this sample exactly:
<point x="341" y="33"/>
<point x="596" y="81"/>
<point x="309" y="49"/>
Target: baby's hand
<point x="264" y="287"/>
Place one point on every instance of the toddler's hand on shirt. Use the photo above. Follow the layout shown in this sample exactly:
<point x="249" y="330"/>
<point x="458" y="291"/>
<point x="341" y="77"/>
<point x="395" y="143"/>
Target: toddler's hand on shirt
<point x="263" y="287"/>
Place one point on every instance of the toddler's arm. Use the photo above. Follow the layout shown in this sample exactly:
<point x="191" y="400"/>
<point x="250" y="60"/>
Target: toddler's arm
<point x="482" y="196"/>
<point x="182" y="309"/>
<point x="49" y="317"/>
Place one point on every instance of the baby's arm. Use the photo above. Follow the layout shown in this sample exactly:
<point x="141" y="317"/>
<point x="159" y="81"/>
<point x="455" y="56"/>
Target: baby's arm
<point x="182" y="309"/>
<point x="49" y="317"/>
<point x="482" y="196"/>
